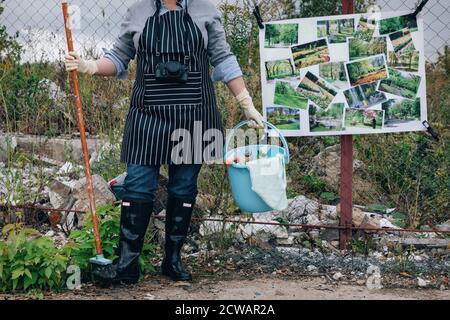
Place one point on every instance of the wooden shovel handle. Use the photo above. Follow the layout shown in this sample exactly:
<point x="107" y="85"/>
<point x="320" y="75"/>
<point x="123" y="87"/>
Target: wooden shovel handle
<point x="81" y="125"/>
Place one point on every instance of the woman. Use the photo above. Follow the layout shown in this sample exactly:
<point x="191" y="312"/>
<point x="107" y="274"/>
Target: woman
<point x="173" y="99"/>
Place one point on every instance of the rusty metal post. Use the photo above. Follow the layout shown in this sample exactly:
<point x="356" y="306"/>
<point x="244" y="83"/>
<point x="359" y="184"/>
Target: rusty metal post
<point x="346" y="170"/>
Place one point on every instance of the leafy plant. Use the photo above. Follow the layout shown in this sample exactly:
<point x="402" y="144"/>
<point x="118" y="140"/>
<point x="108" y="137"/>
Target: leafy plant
<point x="314" y="183"/>
<point x="28" y="260"/>
<point x="83" y="246"/>
<point x="329" y="197"/>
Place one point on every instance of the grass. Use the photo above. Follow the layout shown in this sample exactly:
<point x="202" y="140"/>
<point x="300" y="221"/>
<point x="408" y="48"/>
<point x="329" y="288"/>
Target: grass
<point x="287" y="126"/>
<point x="401" y="85"/>
<point x="291" y="101"/>
<point x="397" y="91"/>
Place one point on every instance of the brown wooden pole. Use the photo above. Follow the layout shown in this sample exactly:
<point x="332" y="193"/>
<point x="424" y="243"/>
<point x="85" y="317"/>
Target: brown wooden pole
<point x="81" y="125"/>
<point x="346" y="189"/>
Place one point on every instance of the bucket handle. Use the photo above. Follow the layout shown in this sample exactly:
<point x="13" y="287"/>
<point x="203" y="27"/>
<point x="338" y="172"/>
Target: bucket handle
<point x="243" y="123"/>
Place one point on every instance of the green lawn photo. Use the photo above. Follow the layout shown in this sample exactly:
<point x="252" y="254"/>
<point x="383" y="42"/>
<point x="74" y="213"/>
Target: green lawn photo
<point x="336" y="31"/>
<point x="284" y="118"/>
<point x="399" y="111"/>
<point x="334" y="73"/>
<point x="402" y="41"/>
<point x="281" y="35"/>
<point x="391" y="25"/>
<point x="404" y="62"/>
<point x="366" y="29"/>
<point x="364" y="96"/>
<point x="316" y="90"/>
<point x="279" y="69"/>
<point x="326" y="120"/>
<point x="366" y="71"/>
<point x="286" y="95"/>
<point x="360" y="49"/>
<point x="401" y="84"/>
<point x="311" y="53"/>
<point x="366" y="119"/>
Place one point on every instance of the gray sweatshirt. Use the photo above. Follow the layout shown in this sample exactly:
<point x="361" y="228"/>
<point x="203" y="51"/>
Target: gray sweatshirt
<point x="206" y="17"/>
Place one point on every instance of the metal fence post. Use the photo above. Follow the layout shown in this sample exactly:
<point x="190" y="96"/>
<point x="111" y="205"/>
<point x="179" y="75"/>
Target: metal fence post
<point x="346" y="169"/>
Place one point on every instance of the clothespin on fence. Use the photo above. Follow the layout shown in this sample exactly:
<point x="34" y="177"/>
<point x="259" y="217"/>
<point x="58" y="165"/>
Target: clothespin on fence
<point x="430" y="130"/>
<point x="420" y="7"/>
<point x="258" y="17"/>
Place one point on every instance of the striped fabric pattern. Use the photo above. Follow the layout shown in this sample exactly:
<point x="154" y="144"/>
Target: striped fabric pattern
<point x="157" y="109"/>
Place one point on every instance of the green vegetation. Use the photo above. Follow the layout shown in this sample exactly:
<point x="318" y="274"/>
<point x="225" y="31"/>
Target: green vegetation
<point x="279" y="69"/>
<point x="314" y="183"/>
<point x="366" y="71"/>
<point x="281" y="35"/>
<point x="364" y="96"/>
<point x="404" y="85"/>
<point x="28" y="261"/>
<point x="394" y="24"/>
<point x="368" y="119"/>
<point x="334" y="72"/>
<point x="316" y="90"/>
<point x="311" y="53"/>
<point x="401" y="110"/>
<point x="31" y="261"/>
<point x="366" y="29"/>
<point x="361" y="49"/>
<point x="405" y="61"/>
<point x="337" y="31"/>
<point x="326" y="120"/>
<point x="285" y="95"/>
<point x="402" y="41"/>
<point x="284" y="118"/>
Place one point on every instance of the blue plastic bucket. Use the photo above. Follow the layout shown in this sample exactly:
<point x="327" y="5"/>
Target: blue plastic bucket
<point x="239" y="176"/>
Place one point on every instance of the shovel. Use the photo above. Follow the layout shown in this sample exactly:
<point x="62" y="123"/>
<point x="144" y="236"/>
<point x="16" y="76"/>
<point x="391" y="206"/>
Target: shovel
<point x="99" y="259"/>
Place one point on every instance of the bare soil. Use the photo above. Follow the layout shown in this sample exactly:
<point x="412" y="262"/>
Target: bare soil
<point x="264" y="287"/>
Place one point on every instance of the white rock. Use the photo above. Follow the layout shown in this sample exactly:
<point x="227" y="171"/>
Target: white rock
<point x="337" y="276"/>
<point x="421" y="282"/>
<point x="59" y="195"/>
<point x="103" y="194"/>
<point x="68" y="168"/>
<point x="50" y="234"/>
<point x="7" y="144"/>
<point x="286" y="241"/>
<point x="418" y="258"/>
<point x="311" y="268"/>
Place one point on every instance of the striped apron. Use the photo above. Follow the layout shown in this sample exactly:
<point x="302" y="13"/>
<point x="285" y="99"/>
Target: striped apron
<point x="167" y="119"/>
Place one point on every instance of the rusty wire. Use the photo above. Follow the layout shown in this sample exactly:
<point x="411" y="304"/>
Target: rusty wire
<point x="231" y="221"/>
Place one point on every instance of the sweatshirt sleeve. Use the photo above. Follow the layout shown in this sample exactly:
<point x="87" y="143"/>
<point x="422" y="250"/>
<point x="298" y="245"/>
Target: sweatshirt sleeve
<point x="123" y="50"/>
<point x="226" y="67"/>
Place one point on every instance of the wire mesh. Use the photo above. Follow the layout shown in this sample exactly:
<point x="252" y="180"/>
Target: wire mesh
<point x="38" y="23"/>
<point x="39" y="27"/>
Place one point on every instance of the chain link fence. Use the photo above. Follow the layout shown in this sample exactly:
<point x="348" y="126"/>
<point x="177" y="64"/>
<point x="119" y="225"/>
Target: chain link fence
<point x="38" y="23"/>
<point x="39" y="27"/>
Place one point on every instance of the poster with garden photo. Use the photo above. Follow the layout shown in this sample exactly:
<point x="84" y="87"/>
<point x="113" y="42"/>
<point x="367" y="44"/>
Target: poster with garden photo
<point x="349" y="74"/>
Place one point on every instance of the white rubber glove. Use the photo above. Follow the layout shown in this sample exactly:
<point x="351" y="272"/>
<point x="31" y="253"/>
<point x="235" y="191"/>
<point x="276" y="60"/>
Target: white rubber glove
<point x="246" y="103"/>
<point x="74" y="62"/>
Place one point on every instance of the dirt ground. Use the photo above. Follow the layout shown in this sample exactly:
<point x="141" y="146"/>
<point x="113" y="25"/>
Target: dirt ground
<point x="265" y="287"/>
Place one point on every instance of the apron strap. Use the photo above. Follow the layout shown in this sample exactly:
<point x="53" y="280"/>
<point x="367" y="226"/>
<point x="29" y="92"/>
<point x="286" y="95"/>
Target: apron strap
<point x="186" y="43"/>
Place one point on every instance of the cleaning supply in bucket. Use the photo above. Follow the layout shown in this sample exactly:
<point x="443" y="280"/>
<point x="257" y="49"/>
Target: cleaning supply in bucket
<point x="236" y="160"/>
<point x="268" y="177"/>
